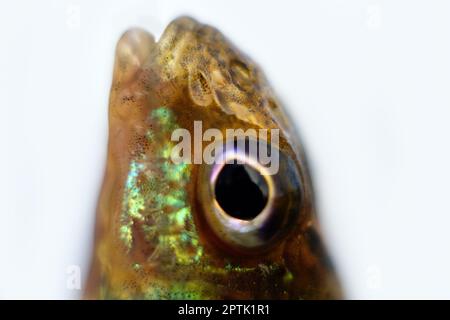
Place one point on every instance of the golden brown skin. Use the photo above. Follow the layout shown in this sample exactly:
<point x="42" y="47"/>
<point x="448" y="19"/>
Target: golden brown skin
<point x="192" y="73"/>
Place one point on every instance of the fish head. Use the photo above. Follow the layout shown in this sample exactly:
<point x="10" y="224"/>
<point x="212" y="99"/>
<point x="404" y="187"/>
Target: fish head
<point x="206" y="193"/>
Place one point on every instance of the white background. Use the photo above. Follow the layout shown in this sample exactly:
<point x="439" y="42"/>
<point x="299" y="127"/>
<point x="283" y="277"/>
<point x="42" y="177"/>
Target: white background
<point x="368" y="83"/>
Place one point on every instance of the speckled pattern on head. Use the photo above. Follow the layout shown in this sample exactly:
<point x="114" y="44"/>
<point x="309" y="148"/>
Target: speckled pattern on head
<point x="151" y="238"/>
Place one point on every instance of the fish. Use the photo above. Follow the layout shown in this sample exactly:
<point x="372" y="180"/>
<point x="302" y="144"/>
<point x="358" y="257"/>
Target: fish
<point x="171" y="227"/>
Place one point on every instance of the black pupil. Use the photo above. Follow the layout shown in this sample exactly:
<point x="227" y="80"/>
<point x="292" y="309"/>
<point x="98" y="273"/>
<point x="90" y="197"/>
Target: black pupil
<point x="241" y="191"/>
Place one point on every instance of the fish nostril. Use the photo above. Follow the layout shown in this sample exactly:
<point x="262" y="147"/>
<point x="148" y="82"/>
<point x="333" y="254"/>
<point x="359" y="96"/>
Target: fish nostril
<point x="241" y="191"/>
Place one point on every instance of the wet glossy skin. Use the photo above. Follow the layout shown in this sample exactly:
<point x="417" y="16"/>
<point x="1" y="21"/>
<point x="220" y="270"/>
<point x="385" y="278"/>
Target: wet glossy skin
<point x="151" y="238"/>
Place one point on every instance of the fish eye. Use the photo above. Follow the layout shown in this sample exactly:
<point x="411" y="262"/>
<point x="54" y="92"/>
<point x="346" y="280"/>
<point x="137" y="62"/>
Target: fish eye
<point x="241" y="191"/>
<point x="247" y="206"/>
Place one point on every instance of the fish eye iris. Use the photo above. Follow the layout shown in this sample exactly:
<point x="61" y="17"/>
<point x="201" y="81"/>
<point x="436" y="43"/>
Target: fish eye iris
<point x="241" y="191"/>
<point x="248" y="207"/>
